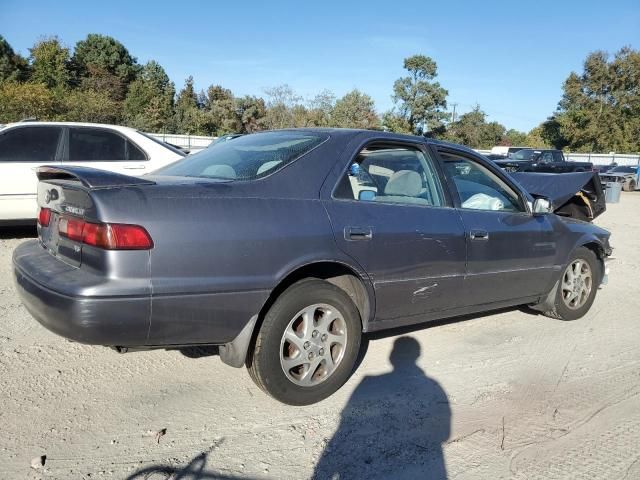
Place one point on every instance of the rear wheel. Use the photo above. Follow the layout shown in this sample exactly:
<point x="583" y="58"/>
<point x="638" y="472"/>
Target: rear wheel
<point x="577" y="287"/>
<point x="631" y="186"/>
<point x="308" y="344"/>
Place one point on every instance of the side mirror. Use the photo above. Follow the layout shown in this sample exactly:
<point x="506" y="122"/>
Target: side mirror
<point x="366" y="195"/>
<point x="542" y="206"/>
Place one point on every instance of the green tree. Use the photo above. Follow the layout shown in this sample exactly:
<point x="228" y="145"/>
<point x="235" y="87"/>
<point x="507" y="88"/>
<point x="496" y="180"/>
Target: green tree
<point x="220" y="106"/>
<point x="188" y="118"/>
<point x="320" y="109"/>
<point x="420" y="101"/>
<point x="600" y="109"/>
<point x="514" y="138"/>
<point x="251" y="113"/>
<point x="50" y="63"/>
<point x="355" y="110"/>
<point x="104" y="64"/>
<point x="25" y="100"/>
<point x="280" y="106"/>
<point x="90" y="106"/>
<point x="13" y="67"/>
<point x="149" y="102"/>
<point x="472" y="130"/>
<point x="394" y="122"/>
<point x="535" y="139"/>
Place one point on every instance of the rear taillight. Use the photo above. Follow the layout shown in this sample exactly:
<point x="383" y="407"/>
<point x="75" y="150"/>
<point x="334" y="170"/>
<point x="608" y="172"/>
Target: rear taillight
<point x="44" y="217"/>
<point x="110" y="236"/>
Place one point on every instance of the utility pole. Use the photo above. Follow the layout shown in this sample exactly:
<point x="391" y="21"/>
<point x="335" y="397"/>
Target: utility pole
<point x="453" y="114"/>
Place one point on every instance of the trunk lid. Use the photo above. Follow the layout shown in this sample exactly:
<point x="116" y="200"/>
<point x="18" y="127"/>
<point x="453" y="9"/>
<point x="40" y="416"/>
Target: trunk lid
<point x="66" y="193"/>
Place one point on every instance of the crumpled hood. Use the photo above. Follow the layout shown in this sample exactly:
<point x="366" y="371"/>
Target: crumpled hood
<point x="562" y="188"/>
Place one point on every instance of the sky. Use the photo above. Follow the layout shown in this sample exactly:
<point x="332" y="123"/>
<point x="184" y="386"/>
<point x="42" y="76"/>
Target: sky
<point x="510" y="57"/>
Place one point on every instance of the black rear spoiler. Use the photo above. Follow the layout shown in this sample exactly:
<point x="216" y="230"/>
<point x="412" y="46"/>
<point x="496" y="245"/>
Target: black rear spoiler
<point x="90" y="177"/>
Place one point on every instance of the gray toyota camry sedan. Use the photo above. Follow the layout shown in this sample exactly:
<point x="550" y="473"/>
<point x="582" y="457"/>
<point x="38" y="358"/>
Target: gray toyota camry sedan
<point x="284" y="247"/>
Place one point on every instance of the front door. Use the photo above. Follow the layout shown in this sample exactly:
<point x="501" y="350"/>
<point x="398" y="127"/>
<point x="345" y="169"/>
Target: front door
<point x="510" y="252"/>
<point x="390" y="213"/>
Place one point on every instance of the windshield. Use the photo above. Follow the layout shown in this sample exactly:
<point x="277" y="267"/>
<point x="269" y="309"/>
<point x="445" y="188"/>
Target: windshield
<point x="623" y="170"/>
<point x="247" y="157"/>
<point x="522" y="155"/>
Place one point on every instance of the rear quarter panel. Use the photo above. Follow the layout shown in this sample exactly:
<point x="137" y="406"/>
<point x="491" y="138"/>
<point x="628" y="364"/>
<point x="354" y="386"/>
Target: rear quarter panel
<point x="217" y="254"/>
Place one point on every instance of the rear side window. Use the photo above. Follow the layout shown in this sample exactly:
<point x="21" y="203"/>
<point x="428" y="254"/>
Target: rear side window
<point x="29" y="144"/>
<point x="247" y="157"/>
<point x="134" y="152"/>
<point x="92" y="144"/>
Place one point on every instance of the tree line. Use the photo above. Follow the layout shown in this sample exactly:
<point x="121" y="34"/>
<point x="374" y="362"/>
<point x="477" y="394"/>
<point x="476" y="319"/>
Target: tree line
<point x="100" y="81"/>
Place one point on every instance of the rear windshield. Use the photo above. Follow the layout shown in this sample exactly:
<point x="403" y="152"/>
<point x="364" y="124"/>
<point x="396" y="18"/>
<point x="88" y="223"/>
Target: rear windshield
<point x="523" y="155"/>
<point x="247" y="157"/>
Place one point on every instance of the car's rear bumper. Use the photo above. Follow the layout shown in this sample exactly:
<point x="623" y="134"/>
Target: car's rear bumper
<point x="41" y="281"/>
<point x="89" y="308"/>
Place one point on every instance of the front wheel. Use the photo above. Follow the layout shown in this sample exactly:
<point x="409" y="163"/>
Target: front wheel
<point x="631" y="186"/>
<point x="308" y="344"/>
<point x="577" y="287"/>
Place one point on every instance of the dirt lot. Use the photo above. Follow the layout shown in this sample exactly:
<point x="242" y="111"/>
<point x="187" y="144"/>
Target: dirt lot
<point x="507" y="395"/>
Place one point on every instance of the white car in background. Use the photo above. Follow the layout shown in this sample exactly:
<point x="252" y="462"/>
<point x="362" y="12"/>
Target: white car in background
<point x="25" y="146"/>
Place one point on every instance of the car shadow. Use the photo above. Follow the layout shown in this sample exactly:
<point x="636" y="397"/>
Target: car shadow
<point x="393" y="425"/>
<point x="18" y="231"/>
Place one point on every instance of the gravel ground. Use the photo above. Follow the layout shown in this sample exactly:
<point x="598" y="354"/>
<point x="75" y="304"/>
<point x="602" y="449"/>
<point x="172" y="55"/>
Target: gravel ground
<point x="506" y="395"/>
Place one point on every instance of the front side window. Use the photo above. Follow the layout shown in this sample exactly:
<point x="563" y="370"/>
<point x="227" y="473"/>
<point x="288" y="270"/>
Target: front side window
<point x="92" y="144"/>
<point x="29" y="144"/>
<point x="246" y="157"/>
<point x="478" y="187"/>
<point x="391" y="174"/>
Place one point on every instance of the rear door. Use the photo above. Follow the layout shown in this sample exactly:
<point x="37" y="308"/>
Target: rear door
<point x="510" y="252"/>
<point x="392" y="216"/>
<point x="104" y="149"/>
<point x="22" y="150"/>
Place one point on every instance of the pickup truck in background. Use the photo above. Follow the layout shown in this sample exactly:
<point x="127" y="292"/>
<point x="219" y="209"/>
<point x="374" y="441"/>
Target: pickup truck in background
<point x="543" y="161"/>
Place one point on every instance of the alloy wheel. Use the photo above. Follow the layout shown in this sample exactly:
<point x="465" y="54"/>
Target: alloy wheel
<point x="313" y="344"/>
<point x="577" y="283"/>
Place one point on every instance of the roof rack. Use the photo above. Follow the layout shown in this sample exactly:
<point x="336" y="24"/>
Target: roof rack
<point x="28" y="119"/>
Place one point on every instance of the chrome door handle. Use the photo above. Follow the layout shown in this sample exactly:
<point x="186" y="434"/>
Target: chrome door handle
<point x="479" y="235"/>
<point x="358" y="233"/>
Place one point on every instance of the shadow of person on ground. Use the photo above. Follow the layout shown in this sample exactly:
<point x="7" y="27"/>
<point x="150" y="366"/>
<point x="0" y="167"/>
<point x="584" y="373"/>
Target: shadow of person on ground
<point x="393" y="426"/>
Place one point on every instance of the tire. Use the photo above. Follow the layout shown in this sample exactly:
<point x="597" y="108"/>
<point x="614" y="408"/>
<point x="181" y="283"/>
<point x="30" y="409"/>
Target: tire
<point x="571" y="300"/>
<point x="630" y="187"/>
<point x="329" y="343"/>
